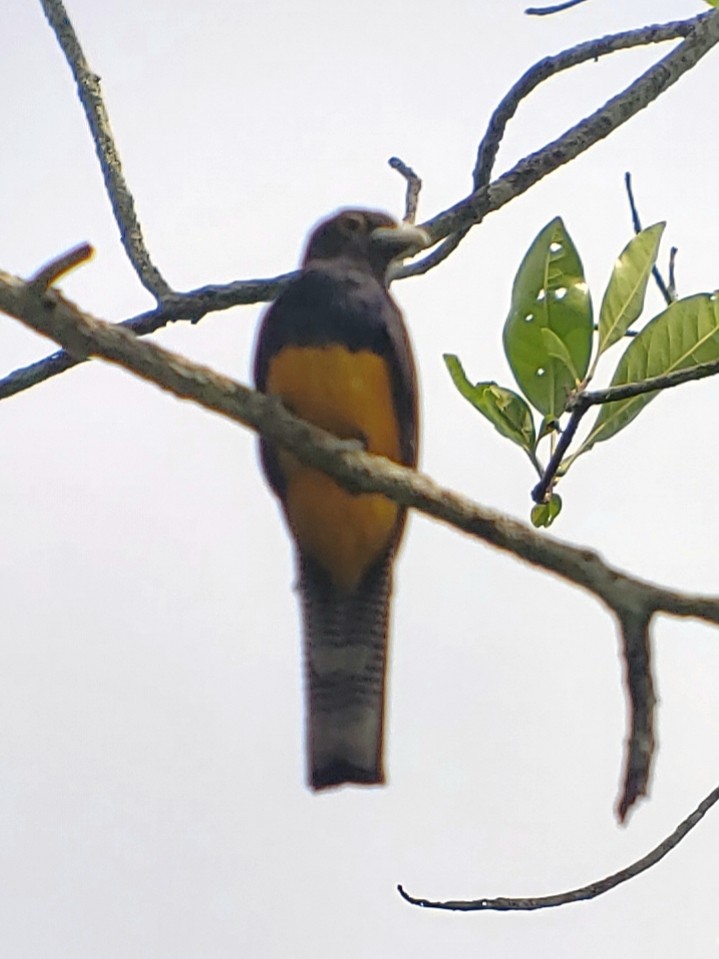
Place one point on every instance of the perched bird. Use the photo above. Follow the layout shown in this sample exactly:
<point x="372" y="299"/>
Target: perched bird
<point x="334" y="348"/>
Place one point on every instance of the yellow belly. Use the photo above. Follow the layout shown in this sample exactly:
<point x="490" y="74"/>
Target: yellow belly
<point x="349" y="394"/>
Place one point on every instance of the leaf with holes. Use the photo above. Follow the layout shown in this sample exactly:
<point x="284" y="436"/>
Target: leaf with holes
<point x="624" y="298"/>
<point x="506" y="411"/>
<point x="686" y="334"/>
<point x="549" y="296"/>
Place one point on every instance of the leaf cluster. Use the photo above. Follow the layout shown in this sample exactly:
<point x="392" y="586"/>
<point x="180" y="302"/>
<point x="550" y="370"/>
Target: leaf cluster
<point x="553" y="347"/>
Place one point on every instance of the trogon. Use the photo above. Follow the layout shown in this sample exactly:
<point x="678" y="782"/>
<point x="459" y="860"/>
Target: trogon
<point x="334" y="348"/>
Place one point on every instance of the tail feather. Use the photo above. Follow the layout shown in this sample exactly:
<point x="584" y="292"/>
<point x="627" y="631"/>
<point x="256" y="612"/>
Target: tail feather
<point x="345" y="648"/>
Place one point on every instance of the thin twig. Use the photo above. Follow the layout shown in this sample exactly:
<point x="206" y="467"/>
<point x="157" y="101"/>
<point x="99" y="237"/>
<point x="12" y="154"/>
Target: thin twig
<point x="541" y="491"/>
<point x="53" y="271"/>
<point x="594" y="889"/>
<point x="672" y="285"/>
<point x="581" y="402"/>
<point x="123" y="205"/>
<point x="612" y="394"/>
<point x="557" y="8"/>
<point x="414" y="187"/>
<point x="637" y="224"/>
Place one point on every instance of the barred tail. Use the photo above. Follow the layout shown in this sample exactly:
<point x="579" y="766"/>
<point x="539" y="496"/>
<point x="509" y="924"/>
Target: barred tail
<point x="345" y="649"/>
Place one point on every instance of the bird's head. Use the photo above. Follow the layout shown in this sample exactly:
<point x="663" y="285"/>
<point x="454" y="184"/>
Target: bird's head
<point x="366" y="237"/>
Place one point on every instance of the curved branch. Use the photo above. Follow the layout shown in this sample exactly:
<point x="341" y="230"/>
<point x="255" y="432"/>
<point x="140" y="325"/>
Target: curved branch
<point x="414" y="188"/>
<point x="594" y="889"/>
<point x="567" y="59"/>
<point x="123" y="205"/>
<point x="556" y="8"/>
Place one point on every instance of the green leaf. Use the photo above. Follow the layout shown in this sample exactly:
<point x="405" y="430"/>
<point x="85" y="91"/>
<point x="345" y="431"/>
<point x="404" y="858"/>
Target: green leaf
<point x="558" y="351"/>
<point x="624" y="298"/>
<point x="505" y="410"/>
<point x="686" y="334"/>
<point x="544" y="514"/>
<point x="549" y="295"/>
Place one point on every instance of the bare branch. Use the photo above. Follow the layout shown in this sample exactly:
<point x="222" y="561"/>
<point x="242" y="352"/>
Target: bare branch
<point x="594" y="889"/>
<point x="639" y="682"/>
<point x="541" y="71"/>
<point x="190" y="306"/>
<point x="549" y="67"/>
<point x="703" y="35"/>
<point x="566" y="60"/>
<point x="83" y="336"/>
<point x="633" y="601"/>
<point x="414" y="187"/>
<point x="123" y="205"/>
<point x="437" y="256"/>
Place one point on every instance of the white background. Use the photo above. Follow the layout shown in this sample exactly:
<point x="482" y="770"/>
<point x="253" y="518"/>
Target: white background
<point x="152" y="801"/>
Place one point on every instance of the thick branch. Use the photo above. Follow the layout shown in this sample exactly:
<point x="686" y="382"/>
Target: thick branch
<point x="594" y="889"/>
<point x="84" y="336"/>
<point x="123" y="205"/>
<point x="630" y="599"/>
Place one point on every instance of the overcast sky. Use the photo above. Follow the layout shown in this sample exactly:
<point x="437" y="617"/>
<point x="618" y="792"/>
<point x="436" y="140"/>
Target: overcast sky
<point x="152" y="797"/>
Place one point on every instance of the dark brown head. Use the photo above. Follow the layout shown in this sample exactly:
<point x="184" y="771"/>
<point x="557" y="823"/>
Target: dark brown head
<point x="367" y="238"/>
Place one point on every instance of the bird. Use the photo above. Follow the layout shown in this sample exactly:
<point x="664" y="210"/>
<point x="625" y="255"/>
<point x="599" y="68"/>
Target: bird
<point x="333" y="347"/>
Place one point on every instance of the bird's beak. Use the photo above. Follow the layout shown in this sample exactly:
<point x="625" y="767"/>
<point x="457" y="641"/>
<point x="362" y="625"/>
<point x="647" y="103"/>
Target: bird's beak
<point x="403" y="239"/>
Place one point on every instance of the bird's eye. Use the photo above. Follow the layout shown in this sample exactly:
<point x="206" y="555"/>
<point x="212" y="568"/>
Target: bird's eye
<point x="354" y="224"/>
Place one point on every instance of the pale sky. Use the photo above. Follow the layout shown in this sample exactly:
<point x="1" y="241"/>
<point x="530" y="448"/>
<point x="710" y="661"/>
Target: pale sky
<point x="152" y="797"/>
